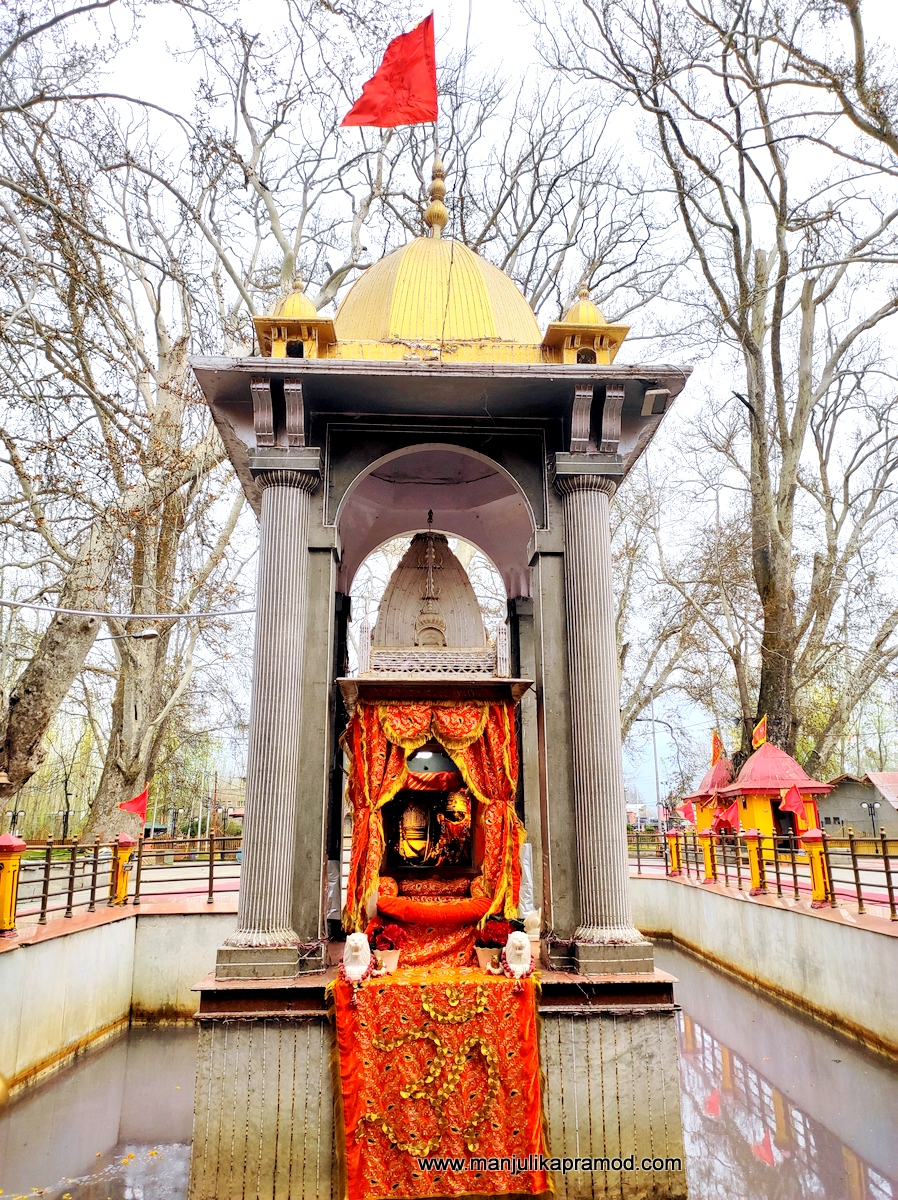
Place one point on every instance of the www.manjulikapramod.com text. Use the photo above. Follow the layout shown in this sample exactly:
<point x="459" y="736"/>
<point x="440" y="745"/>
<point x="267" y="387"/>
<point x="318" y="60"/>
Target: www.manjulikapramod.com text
<point x="542" y="1162"/>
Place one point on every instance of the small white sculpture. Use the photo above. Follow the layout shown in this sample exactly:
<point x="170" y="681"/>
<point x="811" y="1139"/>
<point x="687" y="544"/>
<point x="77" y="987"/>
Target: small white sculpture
<point x="518" y="959"/>
<point x="356" y="957"/>
<point x="532" y="924"/>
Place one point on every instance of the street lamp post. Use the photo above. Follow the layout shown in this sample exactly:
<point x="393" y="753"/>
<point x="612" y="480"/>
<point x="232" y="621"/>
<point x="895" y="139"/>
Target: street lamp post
<point x="14" y="815"/>
<point x="871" y="806"/>
<point x="65" y="813"/>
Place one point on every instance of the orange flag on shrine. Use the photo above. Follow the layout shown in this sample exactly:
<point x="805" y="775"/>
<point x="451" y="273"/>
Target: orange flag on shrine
<point x="687" y="812"/>
<point x="759" y="733"/>
<point x="727" y="816"/>
<point x="716" y="748"/>
<point x="403" y="89"/>
<point x="792" y="801"/>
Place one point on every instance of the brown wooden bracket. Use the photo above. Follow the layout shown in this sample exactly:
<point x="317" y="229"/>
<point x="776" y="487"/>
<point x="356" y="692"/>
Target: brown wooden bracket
<point x="614" y="402"/>
<point x="263" y="416"/>
<point x="580" y="416"/>
<point x="296" y="416"/>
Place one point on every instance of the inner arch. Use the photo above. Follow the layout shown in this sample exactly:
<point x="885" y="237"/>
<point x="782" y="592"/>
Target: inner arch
<point x="470" y="495"/>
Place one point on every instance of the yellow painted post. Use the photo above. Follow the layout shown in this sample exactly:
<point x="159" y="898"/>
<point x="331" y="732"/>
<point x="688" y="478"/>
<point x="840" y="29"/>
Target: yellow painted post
<point x="752" y="839"/>
<point x="784" y="1136"/>
<point x="11" y="848"/>
<point x="121" y="867"/>
<point x="675" y="859"/>
<point x="689" y="1041"/>
<point x="855" y="1175"/>
<point x="707" y="843"/>
<point x="727" y="1075"/>
<point x="812" y="841"/>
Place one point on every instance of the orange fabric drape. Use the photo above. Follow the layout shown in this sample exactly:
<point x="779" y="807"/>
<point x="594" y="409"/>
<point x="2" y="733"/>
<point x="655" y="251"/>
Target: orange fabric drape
<point x="442" y="911"/>
<point x="480" y="739"/>
<point x="438" y="1065"/>
<point x="377" y="770"/>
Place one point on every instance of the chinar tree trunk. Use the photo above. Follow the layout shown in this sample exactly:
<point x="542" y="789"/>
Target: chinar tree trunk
<point x="60" y="654"/>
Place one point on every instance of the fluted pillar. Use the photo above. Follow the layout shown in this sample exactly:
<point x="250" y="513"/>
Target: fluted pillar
<point x="264" y="943"/>
<point x="606" y="940"/>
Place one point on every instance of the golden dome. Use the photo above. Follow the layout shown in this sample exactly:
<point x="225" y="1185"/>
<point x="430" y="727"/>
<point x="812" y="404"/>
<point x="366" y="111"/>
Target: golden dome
<point x="435" y="290"/>
<point x="583" y="311"/>
<point x="296" y="306"/>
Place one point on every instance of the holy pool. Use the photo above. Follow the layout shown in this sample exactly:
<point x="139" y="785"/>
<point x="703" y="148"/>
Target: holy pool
<point x="775" y="1107"/>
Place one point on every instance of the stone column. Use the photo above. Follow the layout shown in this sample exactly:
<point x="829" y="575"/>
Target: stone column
<point x="606" y="939"/>
<point x="265" y="944"/>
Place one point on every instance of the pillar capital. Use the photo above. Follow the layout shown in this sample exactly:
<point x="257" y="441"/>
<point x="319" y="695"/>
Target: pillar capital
<point x="584" y="473"/>
<point x="566" y="485"/>
<point x="277" y="467"/>
<point x="306" y="481"/>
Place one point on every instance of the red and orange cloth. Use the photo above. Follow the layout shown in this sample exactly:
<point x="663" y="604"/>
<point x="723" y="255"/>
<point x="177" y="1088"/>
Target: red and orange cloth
<point x="438" y="1063"/>
<point x="481" y="740"/>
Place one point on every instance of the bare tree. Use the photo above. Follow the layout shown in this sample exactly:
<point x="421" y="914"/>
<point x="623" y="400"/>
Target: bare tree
<point x="132" y="236"/>
<point x="115" y="469"/>
<point x="795" y="238"/>
<point x="655" y="625"/>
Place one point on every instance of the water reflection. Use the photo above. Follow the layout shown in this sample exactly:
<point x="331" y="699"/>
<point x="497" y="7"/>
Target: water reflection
<point x="773" y="1105"/>
<point x="774" y="1108"/>
<point x="116" y="1126"/>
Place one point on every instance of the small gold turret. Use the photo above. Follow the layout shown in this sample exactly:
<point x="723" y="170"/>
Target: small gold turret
<point x="583" y="311"/>
<point x="296" y="305"/>
<point x="436" y="216"/>
<point x="293" y="329"/>
<point x="583" y="336"/>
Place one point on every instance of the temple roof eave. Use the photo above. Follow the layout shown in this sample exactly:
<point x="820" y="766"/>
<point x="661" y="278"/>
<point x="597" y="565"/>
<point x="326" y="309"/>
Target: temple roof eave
<point x="714" y="780"/>
<point x="228" y="379"/>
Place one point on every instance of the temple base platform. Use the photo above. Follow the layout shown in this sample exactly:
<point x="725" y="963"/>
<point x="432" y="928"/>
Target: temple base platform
<point x="265" y="1123"/>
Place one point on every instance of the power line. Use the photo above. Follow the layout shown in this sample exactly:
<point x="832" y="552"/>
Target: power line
<point x="90" y="612"/>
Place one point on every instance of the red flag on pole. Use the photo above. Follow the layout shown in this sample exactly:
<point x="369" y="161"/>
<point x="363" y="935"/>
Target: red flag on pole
<point x="764" y="1150"/>
<point x="687" y="812"/>
<point x="792" y="802"/>
<point x="138" y="805"/>
<point x="716" y="748"/>
<point x="403" y="89"/>
<point x="729" y="816"/>
<point x="759" y="733"/>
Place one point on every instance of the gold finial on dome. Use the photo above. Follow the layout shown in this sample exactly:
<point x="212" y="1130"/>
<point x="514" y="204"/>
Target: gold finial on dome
<point x="436" y="216"/>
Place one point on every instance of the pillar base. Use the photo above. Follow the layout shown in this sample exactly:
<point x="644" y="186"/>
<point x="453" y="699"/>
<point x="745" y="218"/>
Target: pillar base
<point x="602" y="958"/>
<point x="257" y="962"/>
<point x="313" y="961"/>
<point x="557" y="956"/>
